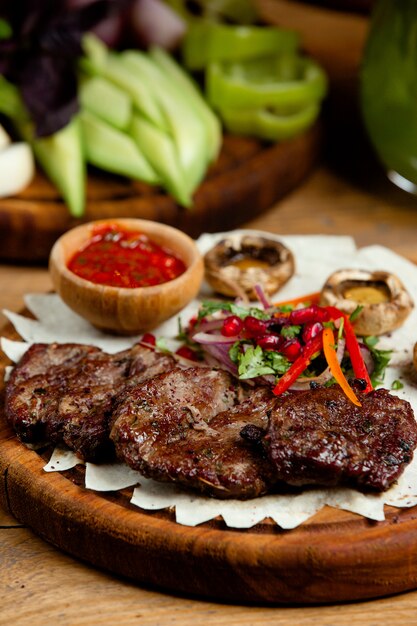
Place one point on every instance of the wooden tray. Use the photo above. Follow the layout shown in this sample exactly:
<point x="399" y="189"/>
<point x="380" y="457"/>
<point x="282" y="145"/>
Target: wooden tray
<point x="335" y="556"/>
<point x="248" y="178"/>
<point x="355" y="6"/>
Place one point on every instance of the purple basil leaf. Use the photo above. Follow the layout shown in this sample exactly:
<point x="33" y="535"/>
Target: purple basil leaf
<point x="95" y="12"/>
<point x="41" y="55"/>
<point x="49" y="90"/>
<point x="62" y="38"/>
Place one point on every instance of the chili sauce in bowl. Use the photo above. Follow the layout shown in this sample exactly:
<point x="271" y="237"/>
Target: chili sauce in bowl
<point x="126" y="275"/>
<point x="118" y="257"/>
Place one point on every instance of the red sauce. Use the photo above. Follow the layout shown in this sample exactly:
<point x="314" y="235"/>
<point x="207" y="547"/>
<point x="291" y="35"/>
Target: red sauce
<point x="123" y="258"/>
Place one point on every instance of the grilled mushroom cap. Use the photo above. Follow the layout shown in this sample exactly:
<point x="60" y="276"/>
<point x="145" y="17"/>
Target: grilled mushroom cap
<point x="385" y="301"/>
<point x="236" y="264"/>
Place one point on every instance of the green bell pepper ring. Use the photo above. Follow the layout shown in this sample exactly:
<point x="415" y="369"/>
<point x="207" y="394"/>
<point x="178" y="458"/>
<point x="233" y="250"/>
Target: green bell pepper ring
<point x="269" y="124"/>
<point x="290" y="81"/>
<point x="207" y="41"/>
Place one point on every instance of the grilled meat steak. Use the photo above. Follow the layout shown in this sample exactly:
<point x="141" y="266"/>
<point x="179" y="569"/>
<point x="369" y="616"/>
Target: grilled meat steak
<point x="65" y="393"/>
<point x="184" y="427"/>
<point x="201" y="428"/>
<point x="319" y="437"/>
<point x="43" y="368"/>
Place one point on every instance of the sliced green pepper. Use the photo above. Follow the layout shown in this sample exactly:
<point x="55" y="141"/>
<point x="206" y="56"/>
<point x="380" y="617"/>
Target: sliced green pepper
<point x="207" y="41"/>
<point x="290" y="81"/>
<point x="269" y="124"/>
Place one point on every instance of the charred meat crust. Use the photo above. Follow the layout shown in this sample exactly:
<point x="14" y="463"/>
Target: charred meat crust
<point x="65" y="393"/>
<point x="319" y="437"/>
<point x="201" y="428"/>
<point x="184" y="426"/>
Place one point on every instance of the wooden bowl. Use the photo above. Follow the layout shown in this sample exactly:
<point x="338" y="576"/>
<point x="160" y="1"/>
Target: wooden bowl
<point x="125" y="310"/>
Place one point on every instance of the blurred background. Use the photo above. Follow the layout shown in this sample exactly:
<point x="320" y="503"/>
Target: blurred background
<point x="326" y="105"/>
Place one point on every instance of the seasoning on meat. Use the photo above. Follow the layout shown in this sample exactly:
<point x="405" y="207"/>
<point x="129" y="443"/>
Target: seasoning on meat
<point x="318" y="437"/>
<point x="184" y="427"/>
<point x="203" y="429"/>
<point x="65" y="393"/>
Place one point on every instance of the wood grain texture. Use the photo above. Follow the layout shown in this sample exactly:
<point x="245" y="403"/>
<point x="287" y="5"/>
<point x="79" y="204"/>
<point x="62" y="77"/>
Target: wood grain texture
<point x="46" y="585"/>
<point x="355" y="6"/>
<point x="248" y="178"/>
<point x="335" y="556"/>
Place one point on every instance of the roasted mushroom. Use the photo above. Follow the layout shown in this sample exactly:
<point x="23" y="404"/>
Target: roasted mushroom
<point x="384" y="300"/>
<point x="237" y="264"/>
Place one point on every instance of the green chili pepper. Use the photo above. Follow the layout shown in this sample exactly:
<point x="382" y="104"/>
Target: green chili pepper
<point x="207" y="41"/>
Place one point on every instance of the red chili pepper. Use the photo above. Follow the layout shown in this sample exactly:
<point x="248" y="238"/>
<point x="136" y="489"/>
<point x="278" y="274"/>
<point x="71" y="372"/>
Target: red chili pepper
<point x="352" y="346"/>
<point x="298" y="367"/>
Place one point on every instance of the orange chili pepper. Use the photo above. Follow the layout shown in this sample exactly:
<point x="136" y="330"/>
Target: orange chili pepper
<point x="312" y="298"/>
<point x="334" y="365"/>
<point x="353" y="348"/>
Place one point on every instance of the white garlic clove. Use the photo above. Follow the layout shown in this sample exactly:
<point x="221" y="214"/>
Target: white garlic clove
<point x="17" y="168"/>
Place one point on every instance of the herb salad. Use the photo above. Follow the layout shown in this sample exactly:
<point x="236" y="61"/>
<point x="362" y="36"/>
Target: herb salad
<point x="289" y="345"/>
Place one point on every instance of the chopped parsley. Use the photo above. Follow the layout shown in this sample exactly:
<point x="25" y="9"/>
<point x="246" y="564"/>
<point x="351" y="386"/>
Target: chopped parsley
<point x="253" y="361"/>
<point x="290" y="331"/>
<point x="161" y="344"/>
<point x="381" y="359"/>
<point x="355" y="314"/>
<point x="211" y="306"/>
<point x="396" y="385"/>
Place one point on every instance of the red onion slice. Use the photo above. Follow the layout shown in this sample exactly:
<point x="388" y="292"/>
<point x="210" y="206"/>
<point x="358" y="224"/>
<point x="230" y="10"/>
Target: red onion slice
<point x="155" y="23"/>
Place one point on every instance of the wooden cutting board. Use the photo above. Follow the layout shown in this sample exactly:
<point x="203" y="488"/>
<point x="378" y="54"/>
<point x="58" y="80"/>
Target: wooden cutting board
<point x="335" y="556"/>
<point x="249" y="177"/>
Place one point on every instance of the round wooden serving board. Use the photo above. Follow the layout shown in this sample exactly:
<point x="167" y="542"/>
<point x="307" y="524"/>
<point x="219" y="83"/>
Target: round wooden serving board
<point x="248" y="178"/>
<point x="335" y="556"/>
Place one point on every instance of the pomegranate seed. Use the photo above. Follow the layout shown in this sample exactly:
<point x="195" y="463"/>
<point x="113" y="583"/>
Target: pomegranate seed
<point x="232" y="326"/>
<point x="254" y="327"/>
<point x="149" y="339"/>
<point x="269" y="342"/>
<point x="311" y="313"/>
<point x="193" y="322"/>
<point x="310" y="330"/>
<point x="186" y="353"/>
<point x="291" y="349"/>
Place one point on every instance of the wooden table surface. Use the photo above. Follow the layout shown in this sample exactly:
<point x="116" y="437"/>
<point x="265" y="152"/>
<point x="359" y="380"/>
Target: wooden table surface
<point x="39" y="582"/>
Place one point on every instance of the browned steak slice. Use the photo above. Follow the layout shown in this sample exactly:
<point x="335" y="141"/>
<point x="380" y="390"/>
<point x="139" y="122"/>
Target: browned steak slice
<point x="147" y="363"/>
<point x="65" y="393"/>
<point x="184" y="427"/>
<point x="42" y="367"/>
<point x="319" y="437"/>
<point x="41" y="357"/>
<point x="86" y="411"/>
